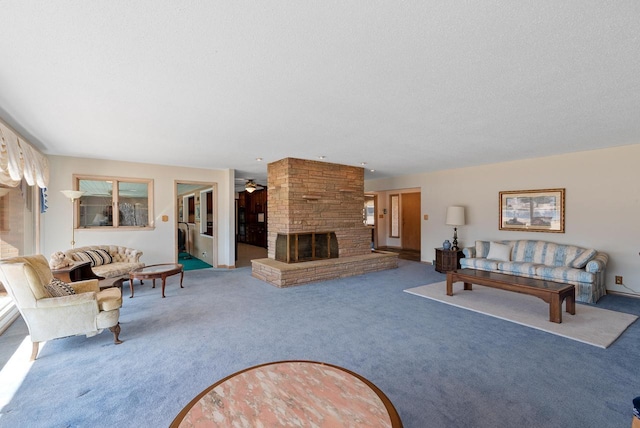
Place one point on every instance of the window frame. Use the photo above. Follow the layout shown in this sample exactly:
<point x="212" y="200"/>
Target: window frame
<point x="394" y="215"/>
<point x="115" y="200"/>
<point x="206" y="201"/>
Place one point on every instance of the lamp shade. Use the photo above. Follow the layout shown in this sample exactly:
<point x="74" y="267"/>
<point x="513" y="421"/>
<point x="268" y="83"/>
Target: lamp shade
<point x="455" y="216"/>
<point x="72" y="194"/>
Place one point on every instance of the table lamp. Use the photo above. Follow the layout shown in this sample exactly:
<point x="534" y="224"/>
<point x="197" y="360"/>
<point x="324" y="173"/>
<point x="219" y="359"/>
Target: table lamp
<point x="455" y="217"/>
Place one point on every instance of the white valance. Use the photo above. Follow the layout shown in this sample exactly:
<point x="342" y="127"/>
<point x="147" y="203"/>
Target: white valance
<point x="18" y="160"/>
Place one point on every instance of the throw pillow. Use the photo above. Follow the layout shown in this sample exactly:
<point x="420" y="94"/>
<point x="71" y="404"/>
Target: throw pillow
<point x="57" y="288"/>
<point x="96" y="257"/>
<point x="482" y="249"/>
<point x="499" y="252"/>
<point x="582" y="259"/>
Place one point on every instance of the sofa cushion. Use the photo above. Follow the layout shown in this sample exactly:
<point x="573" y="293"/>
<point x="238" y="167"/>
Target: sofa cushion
<point x="499" y="252"/>
<point x="583" y="258"/>
<point x="115" y="269"/>
<point x="546" y="253"/>
<point x="564" y="274"/>
<point x="478" y="263"/>
<point x="57" y="288"/>
<point x="96" y="257"/>
<point x="519" y="268"/>
<point x="109" y="299"/>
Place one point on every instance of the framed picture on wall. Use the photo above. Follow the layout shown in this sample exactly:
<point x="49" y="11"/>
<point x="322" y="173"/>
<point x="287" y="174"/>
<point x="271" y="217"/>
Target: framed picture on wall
<point x="532" y="210"/>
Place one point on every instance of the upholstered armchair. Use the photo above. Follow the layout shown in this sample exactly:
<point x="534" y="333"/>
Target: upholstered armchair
<point x="80" y="309"/>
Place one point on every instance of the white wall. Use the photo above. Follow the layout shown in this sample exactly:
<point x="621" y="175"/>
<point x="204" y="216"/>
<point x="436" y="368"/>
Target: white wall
<point x="159" y="243"/>
<point x="602" y="204"/>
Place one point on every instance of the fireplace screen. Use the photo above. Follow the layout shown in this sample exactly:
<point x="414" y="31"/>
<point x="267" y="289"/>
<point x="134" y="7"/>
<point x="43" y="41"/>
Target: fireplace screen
<point x="303" y="247"/>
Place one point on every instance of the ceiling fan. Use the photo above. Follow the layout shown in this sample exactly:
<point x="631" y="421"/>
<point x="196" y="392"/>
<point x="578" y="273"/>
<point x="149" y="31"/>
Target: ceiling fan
<point x="251" y="186"/>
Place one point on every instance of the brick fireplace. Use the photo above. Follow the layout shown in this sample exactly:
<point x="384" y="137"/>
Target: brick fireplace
<point x="315" y="227"/>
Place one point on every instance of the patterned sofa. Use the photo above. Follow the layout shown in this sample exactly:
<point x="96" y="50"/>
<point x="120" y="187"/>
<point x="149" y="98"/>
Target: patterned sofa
<point x="109" y="261"/>
<point x="569" y="264"/>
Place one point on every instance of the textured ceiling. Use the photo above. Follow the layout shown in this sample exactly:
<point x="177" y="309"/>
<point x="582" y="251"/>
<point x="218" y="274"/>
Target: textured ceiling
<point x="406" y="86"/>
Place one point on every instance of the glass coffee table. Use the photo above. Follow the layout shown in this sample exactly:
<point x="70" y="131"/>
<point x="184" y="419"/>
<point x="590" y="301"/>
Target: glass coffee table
<point x="154" y="272"/>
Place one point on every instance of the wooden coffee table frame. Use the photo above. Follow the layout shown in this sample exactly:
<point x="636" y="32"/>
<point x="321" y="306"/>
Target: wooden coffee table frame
<point x="171" y="269"/>
<point x="554" y="293"/>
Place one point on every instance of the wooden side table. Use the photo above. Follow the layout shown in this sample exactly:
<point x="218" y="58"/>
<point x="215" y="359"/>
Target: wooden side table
<point x="79" y="271"/>
<point x="447" y="260"/>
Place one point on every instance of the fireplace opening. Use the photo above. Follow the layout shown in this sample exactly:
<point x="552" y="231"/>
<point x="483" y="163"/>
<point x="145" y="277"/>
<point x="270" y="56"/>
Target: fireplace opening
<point x="307" y="246"/>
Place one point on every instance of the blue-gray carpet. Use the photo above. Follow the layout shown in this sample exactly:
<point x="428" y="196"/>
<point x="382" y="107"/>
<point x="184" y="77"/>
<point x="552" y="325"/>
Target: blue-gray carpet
<point x="440" y="365"/>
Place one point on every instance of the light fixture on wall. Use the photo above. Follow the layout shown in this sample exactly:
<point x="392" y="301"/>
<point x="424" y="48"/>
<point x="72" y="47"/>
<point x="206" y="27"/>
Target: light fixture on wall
<point x="73" y="195"/>
<point x="250" y="186"/>
<point x="455" y="217"/>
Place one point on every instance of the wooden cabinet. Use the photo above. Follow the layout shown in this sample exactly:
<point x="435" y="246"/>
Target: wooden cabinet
<point x="447" y="260"/>
<point x="252" y="218"/>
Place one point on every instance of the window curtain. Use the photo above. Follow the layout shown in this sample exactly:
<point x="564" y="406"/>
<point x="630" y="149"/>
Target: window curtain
<point x="18" y="160"/>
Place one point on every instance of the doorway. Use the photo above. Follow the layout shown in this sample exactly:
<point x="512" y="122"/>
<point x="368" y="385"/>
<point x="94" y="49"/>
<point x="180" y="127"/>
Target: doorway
<point x="369" y="217"/>
<point x="410" y="209"/>
<point x="196" y="224"/>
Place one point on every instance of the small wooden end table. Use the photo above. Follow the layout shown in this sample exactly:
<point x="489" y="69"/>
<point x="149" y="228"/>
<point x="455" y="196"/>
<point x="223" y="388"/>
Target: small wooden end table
<point x="113" y="282"/>
<point x="447" y="260"/>
<point x="79" y="271"/>
<point x="154" y="272"/>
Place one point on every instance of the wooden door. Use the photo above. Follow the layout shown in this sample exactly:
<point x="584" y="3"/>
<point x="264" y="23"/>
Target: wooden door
<point x="410" y="207"/>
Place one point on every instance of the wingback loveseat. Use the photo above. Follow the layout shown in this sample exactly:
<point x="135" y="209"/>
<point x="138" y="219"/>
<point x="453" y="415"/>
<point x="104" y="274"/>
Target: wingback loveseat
<point x="584" y="268"/>
<point x="109" y="261"/>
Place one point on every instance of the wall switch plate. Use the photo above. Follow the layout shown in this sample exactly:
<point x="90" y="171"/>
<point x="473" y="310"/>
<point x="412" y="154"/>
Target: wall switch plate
<point x="618" y="279"/>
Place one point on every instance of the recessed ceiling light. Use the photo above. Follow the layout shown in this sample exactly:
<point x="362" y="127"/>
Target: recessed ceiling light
<point x="363" y="163"/>
<point x="321" y="157"/>
<point x="372" y="170"/>
<point x="259" y="159"/>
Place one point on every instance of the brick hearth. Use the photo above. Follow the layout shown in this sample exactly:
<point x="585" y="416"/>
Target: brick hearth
<point x="309" y="196"/>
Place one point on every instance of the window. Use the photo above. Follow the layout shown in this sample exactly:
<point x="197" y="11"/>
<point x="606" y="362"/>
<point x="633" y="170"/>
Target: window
<point x="4" y="211"/>
<point x="206" y="206"/>
<point x="132" y="197"/>
<point x="368" y="213"/>
<point x="394" y="218"/>
<point x="189" y="213"/>
<point x="18" y="236"/>
<point x="18" y="220"/>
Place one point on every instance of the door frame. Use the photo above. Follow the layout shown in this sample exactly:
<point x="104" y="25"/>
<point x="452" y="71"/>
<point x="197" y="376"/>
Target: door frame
<point x="202" y="186"/>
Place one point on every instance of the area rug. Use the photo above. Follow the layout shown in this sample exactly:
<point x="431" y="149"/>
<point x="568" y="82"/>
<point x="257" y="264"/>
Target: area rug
<point x="592" y="325"/>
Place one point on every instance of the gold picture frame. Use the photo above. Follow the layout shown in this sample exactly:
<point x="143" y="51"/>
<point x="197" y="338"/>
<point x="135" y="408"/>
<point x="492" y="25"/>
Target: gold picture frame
<point x="532" y="210"/>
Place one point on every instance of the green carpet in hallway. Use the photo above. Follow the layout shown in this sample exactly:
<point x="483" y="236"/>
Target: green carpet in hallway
<point x="189" y="262"/>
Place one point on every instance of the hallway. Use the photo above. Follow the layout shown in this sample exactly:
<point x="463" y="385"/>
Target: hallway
<point x="247" y="252"/>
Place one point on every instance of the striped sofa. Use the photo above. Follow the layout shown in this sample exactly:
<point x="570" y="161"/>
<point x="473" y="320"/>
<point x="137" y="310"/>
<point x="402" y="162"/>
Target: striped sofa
<point x="569" y="264"/>
<point x="109" y="261"/>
